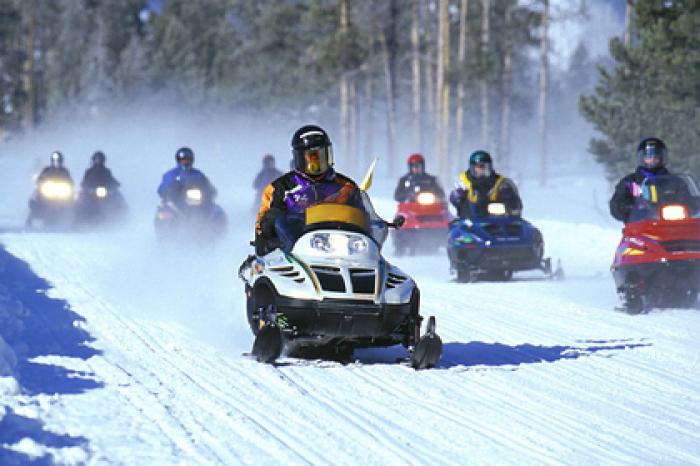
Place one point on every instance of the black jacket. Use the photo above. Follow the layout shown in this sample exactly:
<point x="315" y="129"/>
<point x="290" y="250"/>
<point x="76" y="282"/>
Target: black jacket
<point x="409" y="185"/>
<point x="98" y="175"/>
<point x="473" y="200"/>
<point x="293" y="192"/>
<point x="622" y="199"/>
<point x="54" y="172"/>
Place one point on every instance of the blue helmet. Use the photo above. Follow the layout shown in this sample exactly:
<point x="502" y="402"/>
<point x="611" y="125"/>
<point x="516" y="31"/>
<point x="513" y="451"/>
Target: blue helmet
<point x="184" y="157"/>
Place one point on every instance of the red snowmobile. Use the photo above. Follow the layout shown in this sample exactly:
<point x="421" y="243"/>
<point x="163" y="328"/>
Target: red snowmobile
<point x="657" y="263"/>
<point x="426" y="218"/>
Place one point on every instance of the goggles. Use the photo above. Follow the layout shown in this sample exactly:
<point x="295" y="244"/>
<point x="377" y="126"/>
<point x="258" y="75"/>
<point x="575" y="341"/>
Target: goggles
<point x="316" y="161"/>
<point x="481" y="170"/>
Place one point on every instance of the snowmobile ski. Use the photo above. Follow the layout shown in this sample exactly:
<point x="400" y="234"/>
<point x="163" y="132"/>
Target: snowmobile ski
<point x="429" y="349"/>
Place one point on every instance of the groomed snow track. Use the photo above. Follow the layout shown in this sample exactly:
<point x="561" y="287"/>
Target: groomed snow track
<point x="533" y="372"/>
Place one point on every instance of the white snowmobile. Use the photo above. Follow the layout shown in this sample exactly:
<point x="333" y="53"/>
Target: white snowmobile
<point x="332" y="290"/>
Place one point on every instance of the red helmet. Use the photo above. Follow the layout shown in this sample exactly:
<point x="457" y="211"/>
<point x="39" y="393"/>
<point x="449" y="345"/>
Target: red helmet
<point x="416" y="164"/>
<point x="416" y="158"/>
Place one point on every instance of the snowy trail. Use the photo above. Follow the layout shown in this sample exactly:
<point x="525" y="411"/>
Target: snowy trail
<point x="534" y="372"/>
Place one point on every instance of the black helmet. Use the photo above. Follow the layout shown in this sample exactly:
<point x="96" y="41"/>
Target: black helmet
<point x="184" y="157"/>
<point x="98" y="158"/>
<point x="480" y="164"/>
<point x="311" y="151"/>
<point x="56" y="159"/>
<point x="651" y="153"/>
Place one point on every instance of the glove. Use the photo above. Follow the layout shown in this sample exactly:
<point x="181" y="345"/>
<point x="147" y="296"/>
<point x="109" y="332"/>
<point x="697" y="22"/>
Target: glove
<point x="458" y="196"/>
<point x="267" y="222"/>
<point x="636" y="190"/>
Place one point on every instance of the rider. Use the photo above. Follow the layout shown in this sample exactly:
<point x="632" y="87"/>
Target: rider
<point x="98" y="174"/>
<point x="267" y="174"/>
<point x="313" y="180"/>
<point x="176" y="180"/>
<point x="651" y="154"/>
<point x="416" y="180"/>
<point x="55" y="170"/>
<point x="480" y="185"/>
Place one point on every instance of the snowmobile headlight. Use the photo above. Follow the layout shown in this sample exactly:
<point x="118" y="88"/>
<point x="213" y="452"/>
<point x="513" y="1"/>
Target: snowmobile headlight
<point x="496" y="208"/>
<point x="425" y="198"/>
<point x="101" y="192"/>
<point x="338" y="243"/>
<point x="674" y="212"/>
<point x="193" y="196"/>
<point x="321" y="242"/>
<point x="357" y="245"/>
<point x="52" y="189"/>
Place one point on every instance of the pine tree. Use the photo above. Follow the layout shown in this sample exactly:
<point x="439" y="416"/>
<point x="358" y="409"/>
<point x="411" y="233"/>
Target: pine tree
<point x="654" y="89"/>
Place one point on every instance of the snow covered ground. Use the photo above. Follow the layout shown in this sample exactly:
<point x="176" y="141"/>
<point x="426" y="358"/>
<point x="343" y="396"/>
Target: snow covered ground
<point x="129" y="352"/>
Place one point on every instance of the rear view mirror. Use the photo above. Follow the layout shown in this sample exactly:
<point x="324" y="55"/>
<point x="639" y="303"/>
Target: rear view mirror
<point x="398" y="222"/>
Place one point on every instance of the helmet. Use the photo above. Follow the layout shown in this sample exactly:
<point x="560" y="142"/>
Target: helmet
<point x="651" y="153"/>
<point x="311" y="151"/>
<point x="417" y="161"/>
<point x="184" y="157"/>
<point x="56" y="159"/>
<point x="268" y="161"/>
<point x="98" y="158"/>
<point x="480" y="164"/>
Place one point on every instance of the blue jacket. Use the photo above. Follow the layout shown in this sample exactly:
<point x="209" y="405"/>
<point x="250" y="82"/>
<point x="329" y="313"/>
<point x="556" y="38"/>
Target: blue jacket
<point x="176" y="179"/>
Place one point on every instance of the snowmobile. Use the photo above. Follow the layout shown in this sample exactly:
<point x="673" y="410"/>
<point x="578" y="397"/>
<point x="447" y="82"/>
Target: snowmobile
<point x="99" y="205"/>
<point x="426" y="218"/>
<point x="52" y="203"/>
<point x="496" y="246"/>
<point x="190" y="212"/>
<point x="657" y="263"/>
<point x="328" y="288"/>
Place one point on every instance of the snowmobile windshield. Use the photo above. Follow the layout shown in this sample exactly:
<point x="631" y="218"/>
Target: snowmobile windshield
<point x="378" y="227"/>
<point x="666" y="197"/>
<point x="336" y="216"/>
<point x="326" y="216"/>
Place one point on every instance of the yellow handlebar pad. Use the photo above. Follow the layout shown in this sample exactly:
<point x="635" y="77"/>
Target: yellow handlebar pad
<point x="337" y="213"/>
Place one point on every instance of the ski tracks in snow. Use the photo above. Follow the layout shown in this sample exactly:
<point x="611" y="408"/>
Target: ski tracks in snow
<point x="528" y="376"/>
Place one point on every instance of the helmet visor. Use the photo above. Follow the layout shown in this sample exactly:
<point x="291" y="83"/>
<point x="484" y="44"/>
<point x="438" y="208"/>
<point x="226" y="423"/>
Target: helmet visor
<point x="416" y="168"/>
<point x="317" y="160"/>
<point x="481" y="170"/>
<point x="651" y="156"/>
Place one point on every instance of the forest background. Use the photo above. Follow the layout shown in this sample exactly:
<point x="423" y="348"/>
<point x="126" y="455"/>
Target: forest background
<point x="387" y="77"/>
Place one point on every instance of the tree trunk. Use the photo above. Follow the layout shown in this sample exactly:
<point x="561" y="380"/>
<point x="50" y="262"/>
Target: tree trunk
<point x="353" y="111"/>
<point x="506" y="95"/>
<point x="416" y="76"/>
<point x="390" y="104"/>
<point x="544" y="71"/>
<point x="368" y="120"/>
<point x="28" y="114"/>
<point x="461" y="59"/>
<point x="485" y="88"/>
<point x="443" y="88"/>
<point x="628" y="23"/>
<point x="344" y="84"/>
<point x="430" y="92"/>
